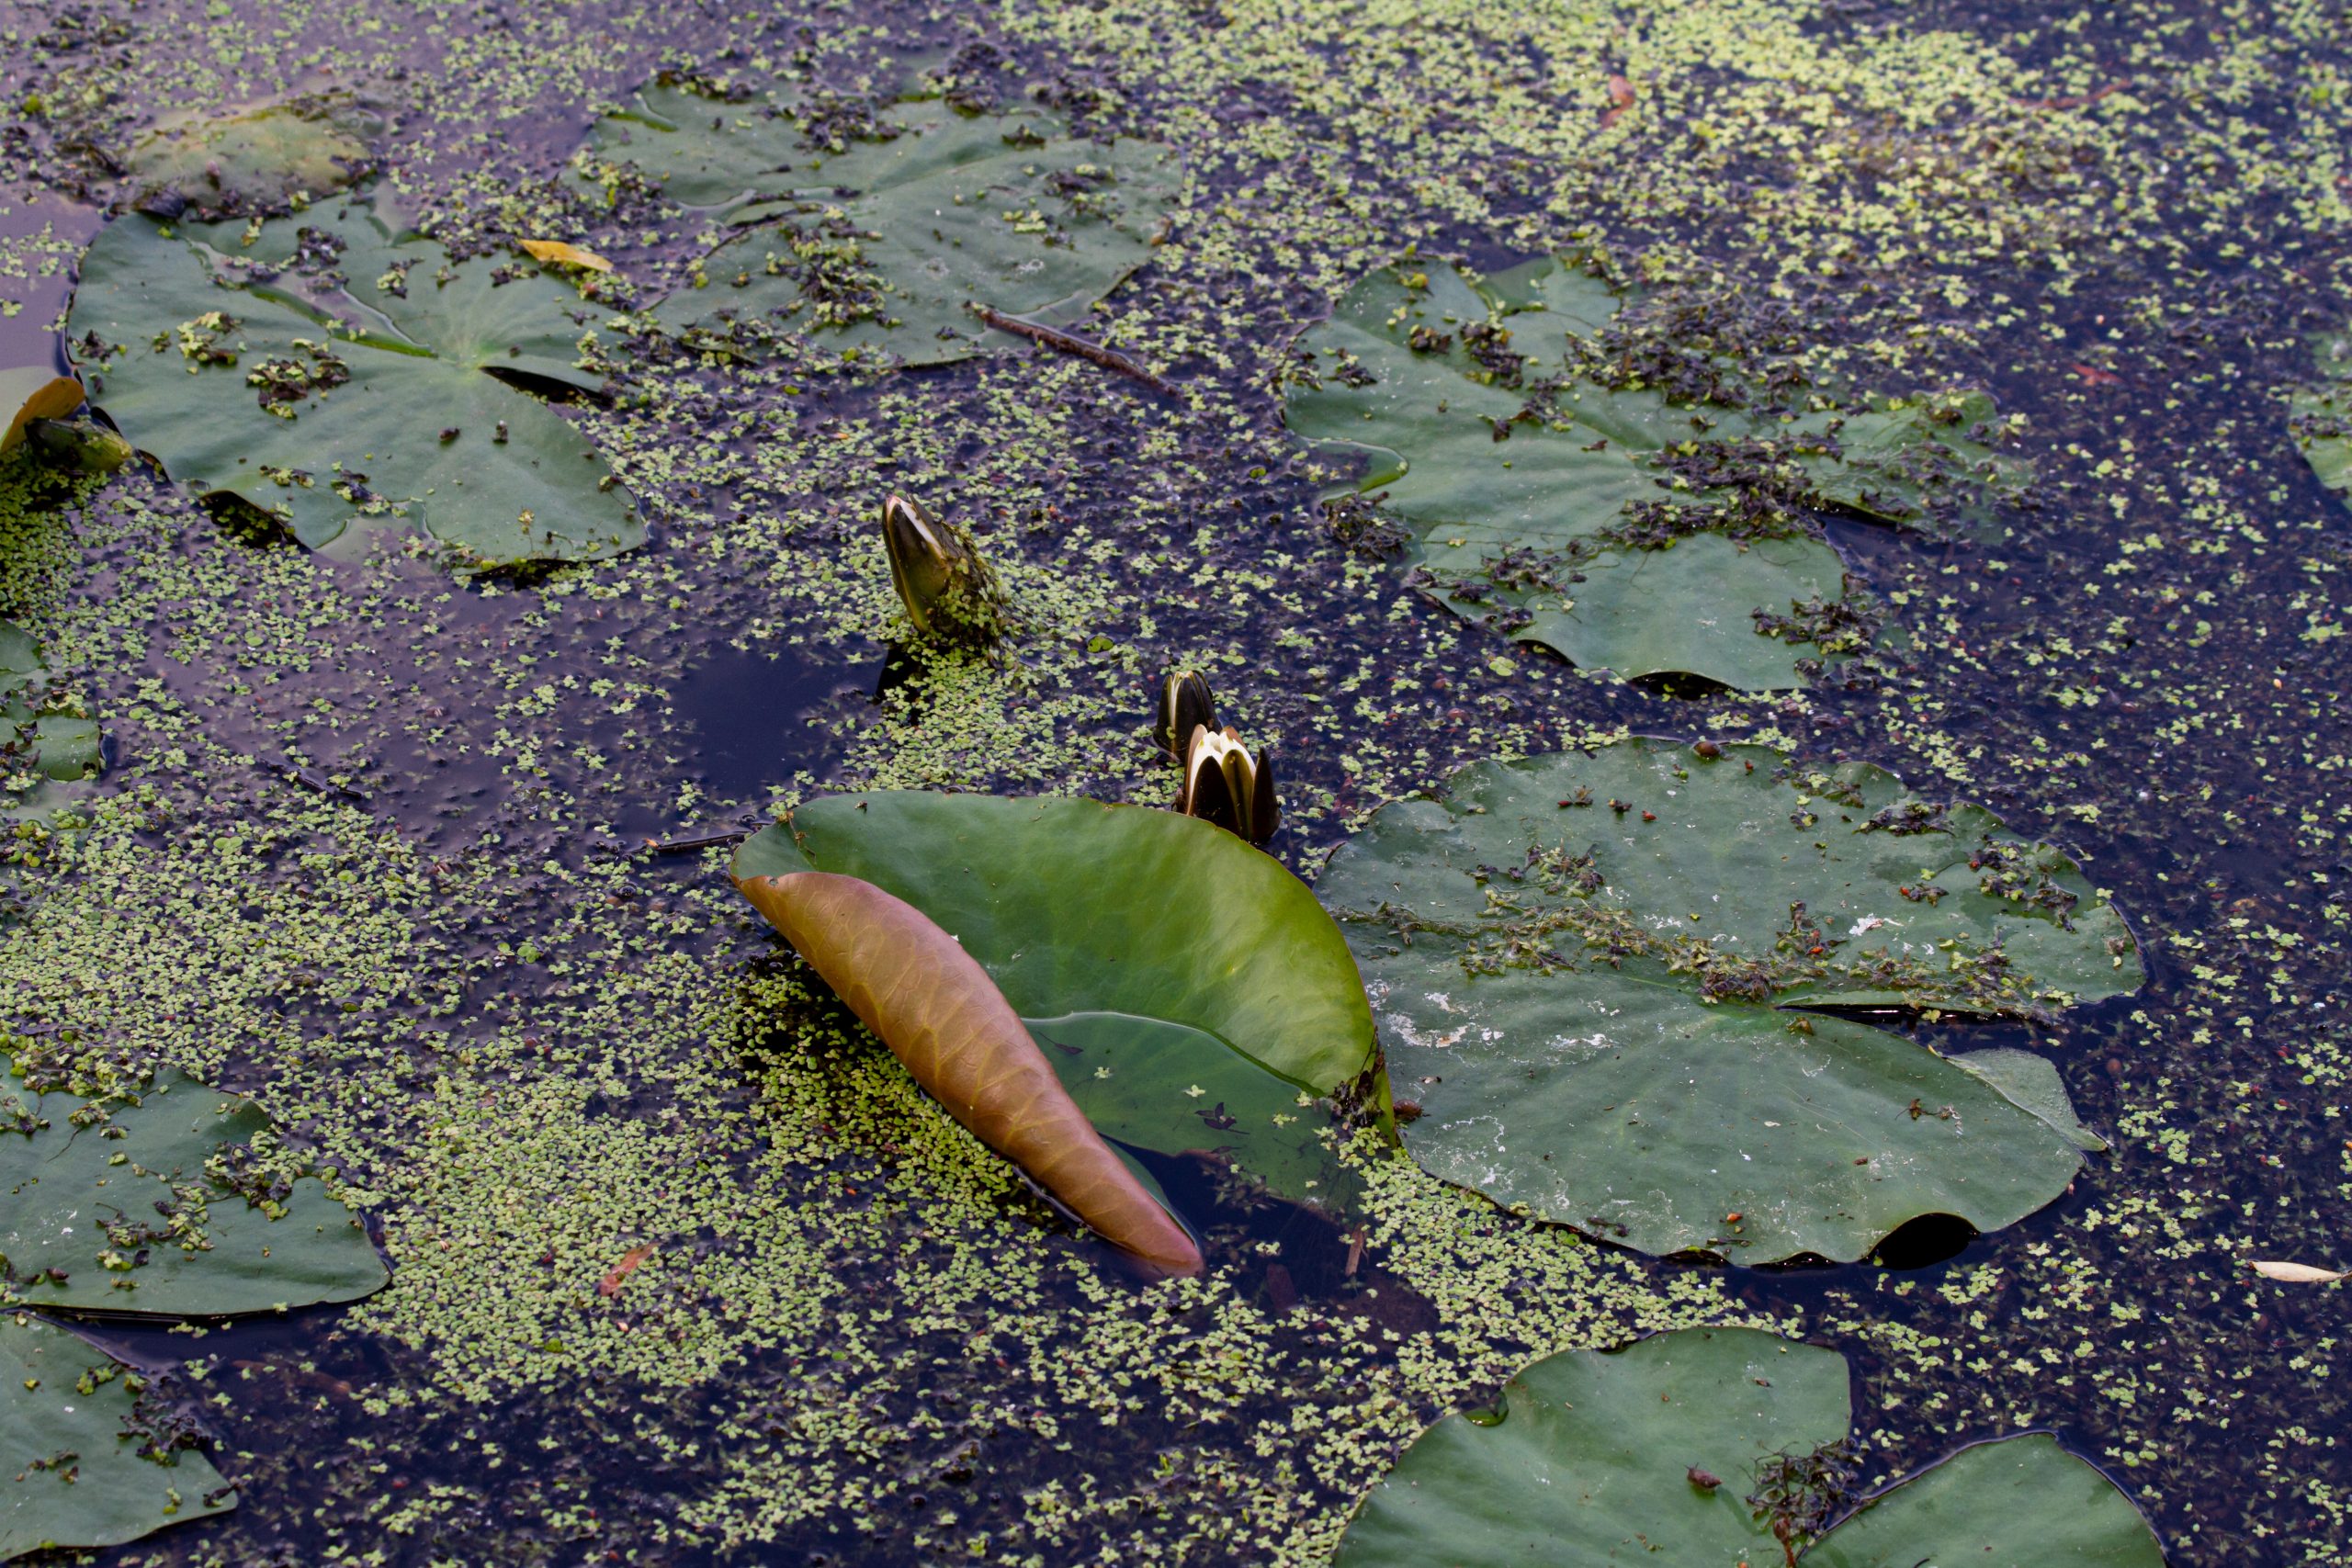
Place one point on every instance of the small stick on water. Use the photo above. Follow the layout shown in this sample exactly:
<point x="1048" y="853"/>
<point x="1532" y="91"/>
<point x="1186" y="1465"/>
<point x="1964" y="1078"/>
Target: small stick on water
<point x="686" y="846"/>
<point x="1355" y="1252"/>
<point x="288" y="770"/>
<point x="1054" y="337"/>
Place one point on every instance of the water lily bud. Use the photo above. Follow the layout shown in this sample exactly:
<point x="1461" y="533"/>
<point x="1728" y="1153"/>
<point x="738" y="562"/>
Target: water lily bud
<point x="83" y="443"/>
<point x="948" y="590"/>
<point x="1184" y="705"/>
<point x="1225" y="784"/>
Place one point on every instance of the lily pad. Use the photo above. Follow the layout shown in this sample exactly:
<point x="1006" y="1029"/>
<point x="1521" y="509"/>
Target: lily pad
<point x="1147" y="1084"/>
<point x="1603" y="1457"/>
<point x="875" y="226"/>
<point x="70" y="1472"/>
<point x="1076" y="907"/>
<point x="254" y="157"/>
<point x="1601" y="518"/>
<point x="2320" y="417"/>
<point x="339" y="376"/>
<point x="47" y="746"/>
<point x="1587" y="969"/>
<point x="156" y="1208"/>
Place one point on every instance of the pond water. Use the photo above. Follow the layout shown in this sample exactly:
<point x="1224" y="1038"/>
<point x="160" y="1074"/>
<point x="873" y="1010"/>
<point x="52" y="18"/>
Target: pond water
<point x="411" y="804"/>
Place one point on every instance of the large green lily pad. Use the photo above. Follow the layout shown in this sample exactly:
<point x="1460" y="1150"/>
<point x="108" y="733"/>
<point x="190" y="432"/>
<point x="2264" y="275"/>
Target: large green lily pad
<point x="1604" y="520"/>
<point x="1075" y="907"/>
<point x="157" y="1208"/>
<point x="1592" y="1459"/>
<point x="1584" y="971"/>
<point x="340" y="375"/>
<point x="70" y="1473"/>
<point x="873" y="231"/>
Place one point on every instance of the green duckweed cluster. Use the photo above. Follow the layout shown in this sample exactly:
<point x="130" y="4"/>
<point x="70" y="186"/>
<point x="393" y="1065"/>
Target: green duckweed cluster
<point x="370" y="848"/>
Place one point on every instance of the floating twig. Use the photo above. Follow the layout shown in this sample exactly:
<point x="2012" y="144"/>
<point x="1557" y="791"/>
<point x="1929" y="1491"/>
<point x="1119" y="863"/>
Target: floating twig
<point x="311" y="781"/>
<point x="686" y="846"/>
<point x="1054" y="337"/>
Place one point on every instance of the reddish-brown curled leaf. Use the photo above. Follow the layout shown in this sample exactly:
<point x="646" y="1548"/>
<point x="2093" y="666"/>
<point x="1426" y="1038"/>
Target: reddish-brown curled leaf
<point x="938" y="1013"/>
<point x="618" y="1276"/>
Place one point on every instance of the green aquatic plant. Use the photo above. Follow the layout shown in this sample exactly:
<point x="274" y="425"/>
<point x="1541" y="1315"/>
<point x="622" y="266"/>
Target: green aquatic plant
<point x="157" y="1200"/>
<point x="875" y="226"/>
<point x="169" y="1199"/>
<point x="82" y="1463"/>
<point x="938" y="1011"/>
<point x="1041" y="893"/>
<point x="2319" y="417"/>
<point x="1226" y="783"/>
<point x="1601" y="978"/>
<point x="49" y="744"/>
<point x="1634" y="505"/>
<point x="1629" y="1455"/>
<point x="948" y="588"/>
<point x="341" y="375"/>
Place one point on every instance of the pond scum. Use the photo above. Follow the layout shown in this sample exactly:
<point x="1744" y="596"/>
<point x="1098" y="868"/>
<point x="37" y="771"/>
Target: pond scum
<point x="366" y="849"/>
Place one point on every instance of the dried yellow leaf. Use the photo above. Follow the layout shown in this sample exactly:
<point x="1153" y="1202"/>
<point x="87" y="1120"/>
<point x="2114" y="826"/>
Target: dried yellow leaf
<point x="2301" y="1273"/>
<point x="556" y="251"/>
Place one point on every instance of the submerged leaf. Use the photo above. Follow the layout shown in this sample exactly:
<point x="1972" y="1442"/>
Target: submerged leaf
<point x="617" y="1275"/>
<point x="876" y="227"/>
<point x="338" y="376"/>
<point x="938" y="1013"/>
<point x="48" y="744"/>
<point x="1620" y="526"/>
<point x="254" y="157"/>
<point x="2319" y="417"/>
<point x="75" y="1470"/>
<point x="1598" y="1455"/>
<point x="2300" y="1273"/>
<point x="166" y="1213"/>
<point x="1588" y="966"/>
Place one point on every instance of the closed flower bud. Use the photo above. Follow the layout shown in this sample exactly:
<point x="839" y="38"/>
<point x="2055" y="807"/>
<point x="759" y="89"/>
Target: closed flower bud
<point x="83" y="443"/>
<point x="949" y="591"/>
<point x="1184" y="705"/>
<point x="1225" y="784"/>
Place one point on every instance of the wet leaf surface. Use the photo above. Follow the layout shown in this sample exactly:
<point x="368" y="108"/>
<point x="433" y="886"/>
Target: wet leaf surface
<point x="938" y="1011"/>
<point x="875" y="225"/>
<point x="1159" y="1086"/>
<point x="77" y="1466"/>
<point x="1043" y="894"/>
<point x="169" y="1204"/>
<point x="1586" y="970"/>
<point x="1629" y="526"/>
<point x="251" y="158"/>
<point x="336" y="376"/>
<point x="49" y="744"/>
<point x="1596" y="1455"/>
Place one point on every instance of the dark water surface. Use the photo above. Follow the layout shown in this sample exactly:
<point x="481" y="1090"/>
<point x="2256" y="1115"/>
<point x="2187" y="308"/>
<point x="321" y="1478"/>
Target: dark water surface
<point x="2135" y="662"/>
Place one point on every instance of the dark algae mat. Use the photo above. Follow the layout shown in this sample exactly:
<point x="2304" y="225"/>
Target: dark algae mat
<point x="1780" y="573"/>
